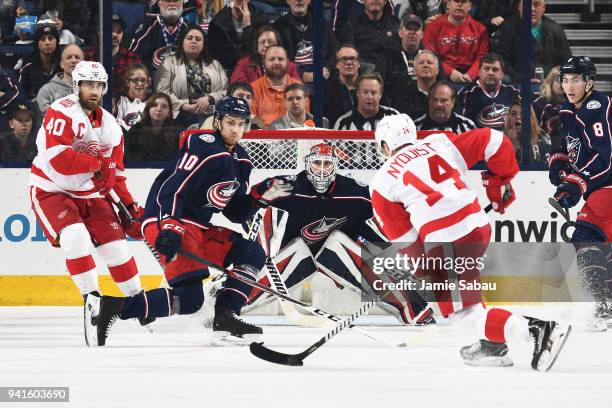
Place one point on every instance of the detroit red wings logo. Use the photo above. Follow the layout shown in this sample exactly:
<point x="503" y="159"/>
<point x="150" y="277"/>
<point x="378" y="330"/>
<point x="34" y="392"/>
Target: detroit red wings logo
<point x="219" y="194"/>
<point x="319" y="229"/>
<point x="90" y="148"/>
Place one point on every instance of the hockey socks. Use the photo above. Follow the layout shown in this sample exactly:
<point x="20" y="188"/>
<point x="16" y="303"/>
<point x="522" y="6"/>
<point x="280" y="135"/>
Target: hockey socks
<point x="235" y="293"/>
<point x="152" y="303"/>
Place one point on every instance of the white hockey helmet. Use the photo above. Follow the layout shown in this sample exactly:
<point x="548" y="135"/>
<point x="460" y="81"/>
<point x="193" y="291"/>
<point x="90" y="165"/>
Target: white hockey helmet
<point x="395" y="131"/>
<point x="88" y="71"/>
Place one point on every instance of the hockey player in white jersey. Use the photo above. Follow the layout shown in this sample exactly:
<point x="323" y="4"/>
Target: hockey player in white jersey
<point x="420" y="198"/>
<point x="80" y="159"/>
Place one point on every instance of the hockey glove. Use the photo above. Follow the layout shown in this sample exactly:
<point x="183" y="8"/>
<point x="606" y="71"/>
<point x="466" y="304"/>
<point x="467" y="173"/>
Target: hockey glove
<point x="558" y="167"/>
<point x="170" y="238"/>
<point x="494" y="185"/>
<point x="104" y="179"/>
<point x="272" y="189"/>
<point x="132" y="227"/>
<point x="569" y="192"/>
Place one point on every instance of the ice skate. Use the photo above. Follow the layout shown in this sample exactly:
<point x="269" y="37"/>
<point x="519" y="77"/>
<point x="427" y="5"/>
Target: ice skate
<point x="549" y="338"/>
<point x="91" y="310"/>
<point x="110" y="309"/>
<point x="485" y="353"/>
<point x="211" y="288"/>
<point x="229" y="329"/>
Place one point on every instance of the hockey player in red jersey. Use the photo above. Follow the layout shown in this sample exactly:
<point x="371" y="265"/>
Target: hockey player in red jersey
<point x="327" y="220"/>
<point x="80" y="158"/>
<point x="210" y="174"/>
<point x="420" y="198"/>
<point x="582" y="169"/>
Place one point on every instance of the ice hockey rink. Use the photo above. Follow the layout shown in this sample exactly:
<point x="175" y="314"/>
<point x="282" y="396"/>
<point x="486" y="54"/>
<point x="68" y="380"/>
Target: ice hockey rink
<point x="176" y="366"/>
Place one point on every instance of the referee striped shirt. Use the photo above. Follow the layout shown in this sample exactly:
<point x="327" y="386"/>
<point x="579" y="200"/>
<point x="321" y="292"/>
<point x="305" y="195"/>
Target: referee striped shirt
<point x="456" y="123"/>
<point x="353" y="120"/>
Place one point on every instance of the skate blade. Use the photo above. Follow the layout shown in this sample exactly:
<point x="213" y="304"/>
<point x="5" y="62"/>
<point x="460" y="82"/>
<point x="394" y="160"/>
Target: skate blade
<point x="225" y="339"/>
<point x="504" y="361"/>
<point x="547" y="363"/>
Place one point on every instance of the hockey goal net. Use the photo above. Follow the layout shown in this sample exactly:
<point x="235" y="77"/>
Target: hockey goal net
<point x="278" y="152"/>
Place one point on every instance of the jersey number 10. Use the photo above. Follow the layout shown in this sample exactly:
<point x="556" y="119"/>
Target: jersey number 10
<point x="440" y="171"/>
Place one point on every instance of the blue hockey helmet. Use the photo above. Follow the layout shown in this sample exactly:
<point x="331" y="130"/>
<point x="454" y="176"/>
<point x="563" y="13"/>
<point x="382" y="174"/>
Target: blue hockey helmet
<point x="230" y="105"/>
<point x="578" y="65"/>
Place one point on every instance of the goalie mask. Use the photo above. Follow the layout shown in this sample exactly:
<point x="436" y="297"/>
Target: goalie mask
<point x="88" y="71"/>
<point x="321" y="165"/>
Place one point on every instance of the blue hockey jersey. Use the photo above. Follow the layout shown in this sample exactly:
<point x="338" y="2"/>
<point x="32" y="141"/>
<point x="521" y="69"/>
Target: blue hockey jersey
<point x="203" y="178"/>
<point x="313" y="216"/>
<point x="588" y="139"/>
<point x="485" y="110"/>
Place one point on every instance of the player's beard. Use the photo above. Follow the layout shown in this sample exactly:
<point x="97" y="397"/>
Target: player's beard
<point x="87" y="104"/>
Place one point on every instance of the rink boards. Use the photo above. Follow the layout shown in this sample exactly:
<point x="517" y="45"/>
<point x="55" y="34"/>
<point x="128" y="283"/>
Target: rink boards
<point x="34" y="273"/>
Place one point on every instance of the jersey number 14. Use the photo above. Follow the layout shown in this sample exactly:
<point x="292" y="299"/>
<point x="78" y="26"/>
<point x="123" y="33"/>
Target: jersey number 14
<point x="440" y="171"/>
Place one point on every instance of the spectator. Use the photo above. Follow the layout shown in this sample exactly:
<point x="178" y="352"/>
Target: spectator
<point x="369" y="111"/>
<point x="540" y="141"/>
<point x="427" y="10"/>
<point x="244" y="90"/>
<point x="19" y="143"/>
<point x="547" y="108"/>
<point x="11" y="96"/>
<point x="410" y="97"/>
<point x="122" y="58"/>
<point x="549" y="45"/>
<point x="269" y="90"/>
<point x="440" y="115"/>
<point x="487" y="100"/>
<point x="207" y="10"/>
<point x="61" y="84"/>
<point x="459" y="40"/>
<point x="36" y="72"/>
<point x="69" y="17"/>
<point x="296" y="100"/>
<point x="193" y="80"/>
<point x="402" y="62"/>
<point x="341" y="89"/>
<point x="250" y="68"/>
<point x="155" y="137"/>
<point x="296" y="32"/>
<point x="231" y="31"/>
<point x="131" y="105"/>
<point x="9" y="10"/>
<point x="492" y="13"/>
<point x="156" y="37"/>
<point x="373" y="33"/>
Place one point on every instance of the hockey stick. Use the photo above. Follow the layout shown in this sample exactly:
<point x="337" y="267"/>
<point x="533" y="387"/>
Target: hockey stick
<point x="565" y="214"/>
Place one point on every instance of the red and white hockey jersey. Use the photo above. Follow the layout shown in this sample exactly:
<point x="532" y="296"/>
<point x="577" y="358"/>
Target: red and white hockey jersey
<point x="68" y="144"/>
<point x="420" y="194"/>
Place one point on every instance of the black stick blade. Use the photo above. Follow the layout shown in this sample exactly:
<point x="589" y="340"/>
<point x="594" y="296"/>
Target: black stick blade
<point x="563" y="211"/>
<point x="261" y="351"/>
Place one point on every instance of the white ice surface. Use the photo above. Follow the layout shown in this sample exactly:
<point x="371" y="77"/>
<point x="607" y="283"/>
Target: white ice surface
<point x="177" y="367"/>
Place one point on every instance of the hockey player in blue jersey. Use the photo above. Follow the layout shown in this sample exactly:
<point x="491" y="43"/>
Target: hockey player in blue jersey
<point x="326" y="226"/>
<point x="210" y="174"/>
<point x="583" y="170"/>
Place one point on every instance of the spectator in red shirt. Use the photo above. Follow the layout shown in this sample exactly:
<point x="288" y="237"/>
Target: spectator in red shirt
<point x="459" y="40"/>
<point x="122" y="58"/>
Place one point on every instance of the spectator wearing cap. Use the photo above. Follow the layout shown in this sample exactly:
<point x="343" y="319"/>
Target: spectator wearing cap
<point x="459" y="40"/>
<point x="19" y="143"/>
<point x="410" y="97"/>
<point x="11" y="96"/>
<point x="69" y="16"/>
<point x="39" y="70"/>
<point x="155" y="37"/>
<point x="122" y="58"/>
<point x="374" y="34"/>
<point x="61" y="84"/>
<point x="440" y="115"/>
<point x="411" y="35"/>
<point x="231" y="31"/>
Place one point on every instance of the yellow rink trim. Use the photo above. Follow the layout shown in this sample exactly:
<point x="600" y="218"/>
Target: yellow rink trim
<point x="58" y="290"/>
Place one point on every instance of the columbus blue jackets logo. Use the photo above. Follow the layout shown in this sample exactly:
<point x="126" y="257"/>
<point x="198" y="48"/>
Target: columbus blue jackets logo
<point x="573" y="148"/>
<point x="219" y="194"/>
<point x="492" y="116"/>
<point x="320" y="229"/>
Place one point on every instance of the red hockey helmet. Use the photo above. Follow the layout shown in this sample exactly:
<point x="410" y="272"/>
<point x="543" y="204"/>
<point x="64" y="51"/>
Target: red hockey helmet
<point x="321" y="166"/>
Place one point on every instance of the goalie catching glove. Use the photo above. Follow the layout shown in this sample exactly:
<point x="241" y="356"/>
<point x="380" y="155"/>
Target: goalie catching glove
<point x="170" y="238"/>
<point x="494" y="185"/>
<point x="271" y="189"/>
